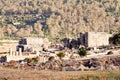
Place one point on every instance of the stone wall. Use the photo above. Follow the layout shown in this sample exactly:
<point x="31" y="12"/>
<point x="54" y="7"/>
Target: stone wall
<point x="94" y="39"/>
<point x="34" y="43"/>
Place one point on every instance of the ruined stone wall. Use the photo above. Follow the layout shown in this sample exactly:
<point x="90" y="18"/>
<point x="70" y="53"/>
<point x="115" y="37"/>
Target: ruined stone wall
<point x="35" y="43"/>
<point x="82" y="38"/>
<point x="94" y="39"/>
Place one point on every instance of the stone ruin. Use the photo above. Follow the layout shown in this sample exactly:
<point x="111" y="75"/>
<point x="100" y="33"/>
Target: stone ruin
<point x="88" y="39"/>
<point x="70" y="43"/>
<point x="94" y="39"/>
<point x="104" y="63"/>
<point x="33" y="44"/>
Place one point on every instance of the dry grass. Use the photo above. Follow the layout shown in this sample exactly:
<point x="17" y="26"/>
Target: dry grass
<point x="15" y="74"/>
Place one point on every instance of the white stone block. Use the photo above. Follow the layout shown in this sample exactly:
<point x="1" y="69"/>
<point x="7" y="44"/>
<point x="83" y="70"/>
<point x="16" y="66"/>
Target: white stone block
<point x="10" y="50"/>
<point x="20" y="51"/>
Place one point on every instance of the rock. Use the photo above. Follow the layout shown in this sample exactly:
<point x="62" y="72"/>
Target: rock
<point x="112" y="67"/>
<point x="105" y="63"/>
<point x="56" y="66"/>
<point x="97" y="68"/>
<point x="82" y="68"/>
<point x="70" y="68"/>
<point x="62" y="69"/>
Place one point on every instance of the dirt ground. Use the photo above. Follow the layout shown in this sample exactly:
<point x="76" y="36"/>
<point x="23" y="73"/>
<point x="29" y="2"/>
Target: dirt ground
<point x="15" y="74"/>
<point x="6" y="47"/>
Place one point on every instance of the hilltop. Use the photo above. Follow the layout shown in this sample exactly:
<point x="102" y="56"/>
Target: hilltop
<point x="57" y="19"/>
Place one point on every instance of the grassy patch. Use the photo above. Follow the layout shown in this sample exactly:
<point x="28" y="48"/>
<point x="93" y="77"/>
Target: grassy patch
<point x="3" y="52"/>
<point x="95" y="75"/>
<point x="59" y="75"/>
<point x="1" y="43"/>
<point x="3" y="79"/>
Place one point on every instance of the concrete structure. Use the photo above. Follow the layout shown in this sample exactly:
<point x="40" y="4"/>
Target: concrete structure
<point x="94" y="39"/>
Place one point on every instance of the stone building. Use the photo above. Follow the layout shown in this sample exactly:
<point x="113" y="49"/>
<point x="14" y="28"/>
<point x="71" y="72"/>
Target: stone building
<point x="33" y="44"/>
<point x="94" y="39"/>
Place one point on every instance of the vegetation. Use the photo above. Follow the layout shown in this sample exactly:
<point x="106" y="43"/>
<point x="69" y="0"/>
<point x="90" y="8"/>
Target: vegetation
<point x="51" y="58"/>
<point x="82" y="51"/>
<point x="1" y="43"/>
<point x="32" y="60"/>
<point x="109" y="53"/>
<point x="61" y="55"/>
<point x="57" y="75"/>
<point x="57" y="19"/>
<point x="115" y="39"/>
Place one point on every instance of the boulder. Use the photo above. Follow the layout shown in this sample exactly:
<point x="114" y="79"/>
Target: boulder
<point x="69" y="68"/>
<point x="112" y="67"/>
<point x="82" y="68"/>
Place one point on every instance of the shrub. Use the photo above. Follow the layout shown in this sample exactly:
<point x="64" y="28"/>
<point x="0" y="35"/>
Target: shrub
<point x="32" y="60"/>
<point x="61" y="55"/>
<point x="115" y="39"/>
<point x="109" y="53"/>
<point x="1" y="43"/>
<point x="51" y="58"/>
<point x="82" y="51"/>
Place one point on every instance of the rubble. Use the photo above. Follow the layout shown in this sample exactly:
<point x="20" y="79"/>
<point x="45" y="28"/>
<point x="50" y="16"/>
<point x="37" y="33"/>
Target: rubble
<point x="105" y="63"/>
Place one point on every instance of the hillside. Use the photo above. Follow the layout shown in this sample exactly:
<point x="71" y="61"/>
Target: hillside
<point x="57" y="19"/>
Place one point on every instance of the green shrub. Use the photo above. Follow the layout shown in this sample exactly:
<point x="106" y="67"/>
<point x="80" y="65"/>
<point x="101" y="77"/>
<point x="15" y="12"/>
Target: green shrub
<point x="61" y="55"/>
<point x="82" y="51"/>
<point x="32" y="60"/>
<point x="1" y="43"/>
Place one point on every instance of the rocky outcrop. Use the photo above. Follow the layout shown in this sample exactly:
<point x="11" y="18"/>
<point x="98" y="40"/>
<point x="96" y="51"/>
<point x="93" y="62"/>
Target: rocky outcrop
<point x="105" y="63"/>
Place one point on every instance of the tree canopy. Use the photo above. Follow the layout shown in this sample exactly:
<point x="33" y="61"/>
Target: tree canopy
<point x="57" y="19"/>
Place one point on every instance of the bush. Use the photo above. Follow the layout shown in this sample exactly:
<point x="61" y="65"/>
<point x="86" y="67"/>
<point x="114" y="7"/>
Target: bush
<point x="32" y="60"/>
<point x="115" y="39"/>
<point x="109" y="53"/>
<point x="82" y="51"/>
<point x="61" y="55"/>
<point x="51" y="58"/>
<point x="1" y="43"/>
